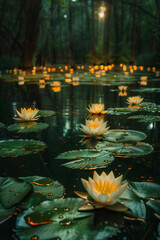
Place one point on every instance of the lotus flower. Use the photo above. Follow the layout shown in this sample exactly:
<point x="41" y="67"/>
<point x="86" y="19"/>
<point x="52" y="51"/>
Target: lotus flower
<point x="105" y="191"/>
<point x="94" y="128"/>
<point x="27" y="115"/>
<point x="122" y="88"/>
<point x="134" y="100"/>
<point x="96" y="109"/>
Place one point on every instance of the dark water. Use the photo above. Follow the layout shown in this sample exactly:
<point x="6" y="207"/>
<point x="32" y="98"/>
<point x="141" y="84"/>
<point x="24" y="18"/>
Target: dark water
<point x="63" y="134"/>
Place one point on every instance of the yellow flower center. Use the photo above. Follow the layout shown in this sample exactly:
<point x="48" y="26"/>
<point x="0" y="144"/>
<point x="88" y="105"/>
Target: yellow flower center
<point x="105" y="187"/>
<point x="94" y="125"/>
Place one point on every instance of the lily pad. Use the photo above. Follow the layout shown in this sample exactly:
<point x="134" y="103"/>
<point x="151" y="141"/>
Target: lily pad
<point x="67" y="223"/>
<point x="122" y="136"/>
<point x="124" y="149"/>
<point x="5" y="214"/>
<point x="136" y="206"/>
<point x="2" y="125"/>
<point x="150" y="107"/>
<point x="13" y="191"/>
<point x="43" y="189"/>
<point x="28" y="127"/>
<point x="146" y="118"/>
<point x="45" y="113"/>
<point x="86" y="159"/>
<point x="20" y="147"/>
<point x="145" y="189"/>
<point x="121" y="111"/>
<point x="155" y="205"/>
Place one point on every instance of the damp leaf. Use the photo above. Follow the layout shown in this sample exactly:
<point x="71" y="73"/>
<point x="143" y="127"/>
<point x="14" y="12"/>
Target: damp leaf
<point x="20" y="147"/>
<point x="27" y="127"/>
<point x="86" y="159"/>
<point x="120" y="135"/>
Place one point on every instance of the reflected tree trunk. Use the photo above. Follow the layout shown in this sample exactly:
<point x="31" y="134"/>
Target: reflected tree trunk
<point x="32" y="20"/>
<point x="107" y="32"/>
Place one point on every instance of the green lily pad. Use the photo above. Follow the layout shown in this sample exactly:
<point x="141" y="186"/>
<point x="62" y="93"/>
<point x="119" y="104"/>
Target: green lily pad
<point x="121" y="136"/>
<point x="20" y="147"/>
<point x="146" y="90"/>
<point x="28" y="127"/>
<point x="145" y="189"/>
<point x="68" y="223"/>
<point x="121" y="111"/>
<point x="155" y="205"/>
<point x="45" y="113"/>
<point x="13" y="191"/>
<point x="146" y="118"/>
<point x="86" y="159"/>
<point x="5" y="214"/>
<point x="127" y="150"/>
<point x="43" y="189"/>
<point x="2" y="125"/>
<point x="136" y="206"/>
<point x="150" y="107"/>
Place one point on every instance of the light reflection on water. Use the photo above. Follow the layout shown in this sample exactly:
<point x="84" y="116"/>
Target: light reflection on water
<point x="63" y="133"/>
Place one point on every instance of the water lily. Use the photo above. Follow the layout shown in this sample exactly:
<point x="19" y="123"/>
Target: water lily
<point x="94" y="128"/>
<point x="122" y="88"/>
<point x="104" y="191"/>
<point x="27" y="115"/>
<point x="96" y="109"/>
<point x="134" y="100"/>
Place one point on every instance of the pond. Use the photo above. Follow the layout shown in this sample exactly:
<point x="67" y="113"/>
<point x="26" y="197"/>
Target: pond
<point x="66" y="97"/>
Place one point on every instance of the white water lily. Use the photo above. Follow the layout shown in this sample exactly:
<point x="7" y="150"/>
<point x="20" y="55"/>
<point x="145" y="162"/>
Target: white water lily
<point x="94" y="128"/>
<point x="96" y="109"/>
<point x="27" y="114"/>
<point x="105" y="191"/>
<point x="122" y="88"/>
<point x="134" y="100"/>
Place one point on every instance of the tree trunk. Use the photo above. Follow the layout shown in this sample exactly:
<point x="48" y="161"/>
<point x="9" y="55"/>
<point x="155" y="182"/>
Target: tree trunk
<point x="107" y="32"/>
<point x="48" y="32"/>
<point x="32" y="20"/>
<point x="133" y="34"/>
<point x="70" y="34"/>
<point x="93" y="32"/>
<point x="116" y="22"/>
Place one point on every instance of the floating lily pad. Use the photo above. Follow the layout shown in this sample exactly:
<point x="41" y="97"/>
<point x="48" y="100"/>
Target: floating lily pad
<point x="155" y="205"/>
<point x="119" y="135"/>
<point x="121" y="111"/>
<point x="149" y="107"/>
<point x="145" y="189"/>
<point x="2" y="125"/>
<point x="28" y="127"/>
<point x="45" y="113"/>
<point x="67" y="222"/>
<point x="146" y="118"/>
<point x="86" y="159"/>
<point x="43" y="189"/>
<point x="5" y="214"/>
<point x="136" y="206"/>
<point x="124" y="149"/>
<point x="146" y="90"/>
<point x="13" y="191"/>
<point x="20" y="147"/>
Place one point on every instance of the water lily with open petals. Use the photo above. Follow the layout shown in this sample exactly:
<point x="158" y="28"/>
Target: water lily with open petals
<point x="96" y="109"/>
<point x="27" y="115"/>
<point x="94" y="128"/>
<point x="134" y="100"/>
<point x="104" y="191"/>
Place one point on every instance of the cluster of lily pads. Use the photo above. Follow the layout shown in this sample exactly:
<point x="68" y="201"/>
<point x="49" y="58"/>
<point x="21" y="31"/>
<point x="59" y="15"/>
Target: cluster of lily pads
<point x="44" y="213"/>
